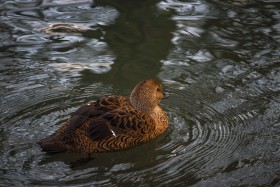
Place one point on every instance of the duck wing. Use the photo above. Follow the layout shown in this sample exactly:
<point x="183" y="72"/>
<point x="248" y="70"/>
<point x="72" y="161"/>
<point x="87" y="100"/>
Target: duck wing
<point x="93" y="110"/>
<point x="124" y="121"/>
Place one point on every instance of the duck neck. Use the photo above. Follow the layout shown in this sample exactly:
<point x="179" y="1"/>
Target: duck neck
<point x="144" y="107"/>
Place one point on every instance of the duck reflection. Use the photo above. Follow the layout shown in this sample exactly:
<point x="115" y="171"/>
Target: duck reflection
<point x="140" y="38"/>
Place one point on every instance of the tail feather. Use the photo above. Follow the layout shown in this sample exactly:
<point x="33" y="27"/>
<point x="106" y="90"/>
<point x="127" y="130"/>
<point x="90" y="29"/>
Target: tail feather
<point x="51" y="145"/>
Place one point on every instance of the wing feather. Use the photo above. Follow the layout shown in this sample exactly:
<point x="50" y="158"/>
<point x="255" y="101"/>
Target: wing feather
<point x="94" y="110"/>
<point x="124" y="121"/>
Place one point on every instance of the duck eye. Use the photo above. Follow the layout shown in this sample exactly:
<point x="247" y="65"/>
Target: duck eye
<point x="158" y="90"/>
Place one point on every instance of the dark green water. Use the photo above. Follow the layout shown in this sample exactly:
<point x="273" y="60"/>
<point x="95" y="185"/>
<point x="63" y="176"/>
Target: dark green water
<point x="220" y="61"/>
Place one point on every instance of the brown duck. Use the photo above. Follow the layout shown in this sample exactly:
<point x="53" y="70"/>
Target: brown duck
<point x="112" y="123"/>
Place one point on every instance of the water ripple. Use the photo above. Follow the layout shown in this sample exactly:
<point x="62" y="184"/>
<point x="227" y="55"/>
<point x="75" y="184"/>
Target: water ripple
<point x="221" y="71"/>
<point x="200" y="135"/>
<point x="203" y="137"/>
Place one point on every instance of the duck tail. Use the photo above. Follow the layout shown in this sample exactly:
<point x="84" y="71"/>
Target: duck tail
<point x="51" y="145"/>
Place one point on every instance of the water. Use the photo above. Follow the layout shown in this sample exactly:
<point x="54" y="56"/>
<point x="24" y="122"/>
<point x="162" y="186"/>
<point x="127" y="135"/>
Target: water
<point x="219" y="60"/>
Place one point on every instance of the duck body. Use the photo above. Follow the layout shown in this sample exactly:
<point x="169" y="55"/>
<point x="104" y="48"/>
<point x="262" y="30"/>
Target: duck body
<point x="112" y="123"/>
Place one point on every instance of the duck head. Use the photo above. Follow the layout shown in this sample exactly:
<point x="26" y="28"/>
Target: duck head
<point x="146" y="95"/>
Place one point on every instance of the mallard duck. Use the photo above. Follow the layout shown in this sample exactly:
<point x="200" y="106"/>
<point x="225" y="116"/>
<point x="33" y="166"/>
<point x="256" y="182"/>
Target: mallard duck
<point x="112" y="123"/>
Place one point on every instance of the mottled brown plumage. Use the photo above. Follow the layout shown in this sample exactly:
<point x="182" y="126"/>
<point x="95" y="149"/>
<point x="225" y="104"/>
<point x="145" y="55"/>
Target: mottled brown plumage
<point x="112" y="123"/>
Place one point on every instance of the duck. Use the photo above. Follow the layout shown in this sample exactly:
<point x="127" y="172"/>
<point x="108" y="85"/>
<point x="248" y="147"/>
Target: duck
<point x="112" y="123"/>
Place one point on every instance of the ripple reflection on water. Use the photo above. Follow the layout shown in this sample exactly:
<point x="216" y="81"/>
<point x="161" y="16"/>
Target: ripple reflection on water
<point x="222" y="73"/>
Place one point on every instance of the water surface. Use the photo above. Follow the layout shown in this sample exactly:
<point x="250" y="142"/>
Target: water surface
<point x="219" y="60"/>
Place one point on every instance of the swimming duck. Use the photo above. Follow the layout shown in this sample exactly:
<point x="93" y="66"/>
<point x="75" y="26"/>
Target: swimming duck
<point x="112" y="123"/>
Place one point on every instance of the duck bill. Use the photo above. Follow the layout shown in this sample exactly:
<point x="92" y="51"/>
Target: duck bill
<point x="165" y="95"/>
